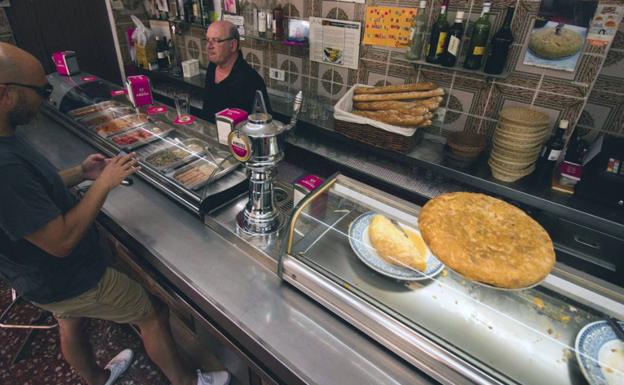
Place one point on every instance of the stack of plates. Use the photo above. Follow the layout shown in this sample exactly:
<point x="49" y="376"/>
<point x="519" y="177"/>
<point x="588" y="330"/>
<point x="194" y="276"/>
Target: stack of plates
<point x="517" y="142"/>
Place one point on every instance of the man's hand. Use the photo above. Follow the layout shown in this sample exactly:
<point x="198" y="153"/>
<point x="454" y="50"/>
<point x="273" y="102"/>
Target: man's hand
<point x="116" y="170"/>
<point x="92" y="166"/>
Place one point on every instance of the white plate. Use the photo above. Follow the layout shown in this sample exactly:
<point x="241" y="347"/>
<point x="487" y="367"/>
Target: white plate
<point x="361" y="245"/>
<point x="600" y="354"/>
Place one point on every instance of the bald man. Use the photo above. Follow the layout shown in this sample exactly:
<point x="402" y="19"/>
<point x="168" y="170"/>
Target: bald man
<point x="230" y="81"/>
<point x="48" y="247"/>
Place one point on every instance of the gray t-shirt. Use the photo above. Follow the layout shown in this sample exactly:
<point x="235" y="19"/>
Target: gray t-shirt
<point x="32" y="194"/>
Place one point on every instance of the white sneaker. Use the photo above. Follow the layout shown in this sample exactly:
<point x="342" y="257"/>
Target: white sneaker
<point x="213" y="378"/>
<point x="118" y="365"/>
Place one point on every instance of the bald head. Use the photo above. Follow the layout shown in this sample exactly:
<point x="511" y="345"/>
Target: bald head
<point x="223" y="41"/>
<point x="19" y="66"/>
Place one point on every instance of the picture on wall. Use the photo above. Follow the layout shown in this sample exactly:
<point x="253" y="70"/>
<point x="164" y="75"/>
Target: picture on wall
<point x="559" y="34"/>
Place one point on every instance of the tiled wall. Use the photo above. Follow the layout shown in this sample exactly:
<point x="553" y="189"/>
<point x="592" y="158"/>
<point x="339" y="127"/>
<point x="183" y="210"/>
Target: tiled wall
<point x="6" y="34"/>
<point x="473" y="101"/>
<point x="605" y="107"/>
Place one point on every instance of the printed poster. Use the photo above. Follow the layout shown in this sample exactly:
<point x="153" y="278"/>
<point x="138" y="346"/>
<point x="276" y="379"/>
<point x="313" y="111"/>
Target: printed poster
<point x="605" y="24"/>
<point x="388" y="26"/>
<point x="335" y="42"/>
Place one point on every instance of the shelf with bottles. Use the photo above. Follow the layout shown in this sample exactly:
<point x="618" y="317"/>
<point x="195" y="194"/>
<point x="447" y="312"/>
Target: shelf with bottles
<point x="485" y="57"/>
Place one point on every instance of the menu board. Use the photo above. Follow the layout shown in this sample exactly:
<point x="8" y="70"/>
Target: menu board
<point x="388" y="26"/>
<point x="335" y="42"/>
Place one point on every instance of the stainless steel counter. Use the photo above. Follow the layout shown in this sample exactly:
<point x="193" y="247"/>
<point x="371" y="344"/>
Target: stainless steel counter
<point x="301" y="341"/>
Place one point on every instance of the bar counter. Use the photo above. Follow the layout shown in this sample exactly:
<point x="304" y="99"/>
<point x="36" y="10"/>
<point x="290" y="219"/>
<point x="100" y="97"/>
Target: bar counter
<point x="282" y="334"/>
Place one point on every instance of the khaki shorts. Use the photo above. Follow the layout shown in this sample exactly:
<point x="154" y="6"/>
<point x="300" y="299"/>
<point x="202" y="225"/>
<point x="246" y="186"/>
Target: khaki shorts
<point x="116" y="298"/>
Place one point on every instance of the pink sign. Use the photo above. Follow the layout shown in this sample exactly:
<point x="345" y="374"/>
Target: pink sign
<point x="65" y="62"/>
<point x="232" y="115"/>
<point x="139" y="90"/>
<point x="310" y="182"/>
<point x="184" y="120"/>
<point x="88" y="78"/>
<point x="156" y="110"/>
<point x="119" y="92"/>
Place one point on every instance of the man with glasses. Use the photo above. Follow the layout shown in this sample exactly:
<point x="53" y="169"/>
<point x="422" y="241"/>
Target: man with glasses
<point x="49" y="249"/>
<point x="230" y="81"/>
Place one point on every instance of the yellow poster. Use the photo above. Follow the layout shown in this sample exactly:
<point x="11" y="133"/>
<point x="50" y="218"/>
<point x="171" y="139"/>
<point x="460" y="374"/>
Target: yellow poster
<point x="388" y="26"/>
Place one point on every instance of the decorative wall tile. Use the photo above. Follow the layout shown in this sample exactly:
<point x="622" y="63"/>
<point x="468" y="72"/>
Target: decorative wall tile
<point x="379" y="54"/>
<point x="588" y="68"/>
<point x="443" y="79"/>
<point x="480" y="90"/>
<point x="505" y="95"/>
<point x="402" y="72"/>
<point x="294" y="8"/>
<point x="606" y="83"/>
<point x="5" y="27"/>
<point x="563" y="87"/>
<point x="614" y="64"/>
<point x="367" y="68"/>
<point x="254" y="57"/>
<point x="594" y="115"/>
<point x="521" y="79"/>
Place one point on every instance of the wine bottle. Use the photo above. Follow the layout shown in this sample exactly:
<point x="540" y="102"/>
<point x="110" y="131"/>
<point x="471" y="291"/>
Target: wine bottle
<point x="478" y="40"/>
<point x="262" y="19"/>
<point x="552" y="149"/>
<point x="499" y="48"/>
<point x="417" y="33"/>
<point x="453" y="40"/>
<point x="278" y="20"/>
<point x="438" y="36"/>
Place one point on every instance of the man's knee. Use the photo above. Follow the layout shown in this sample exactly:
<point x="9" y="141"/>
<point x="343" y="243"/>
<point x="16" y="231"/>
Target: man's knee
<point x="70" y="327"/>
<point x="159" y="314"/>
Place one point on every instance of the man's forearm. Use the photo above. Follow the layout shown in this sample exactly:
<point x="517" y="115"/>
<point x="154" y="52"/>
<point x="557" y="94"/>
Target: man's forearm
<point x="77" y="221"/>
<point x="72" y="176"/>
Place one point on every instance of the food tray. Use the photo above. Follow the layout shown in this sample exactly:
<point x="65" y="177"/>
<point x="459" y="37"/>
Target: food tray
<point x="227" y="166"/>
<point x="147" y="132"/>
<point x="88" y="110"/>
<point x="105" y="116"/>
<point x="186" y="155"/>
<point x="120" y="125"/>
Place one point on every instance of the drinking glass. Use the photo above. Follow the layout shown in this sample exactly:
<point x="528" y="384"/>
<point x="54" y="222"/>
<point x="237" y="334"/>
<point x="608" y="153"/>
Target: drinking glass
<point x="182" y="103"/>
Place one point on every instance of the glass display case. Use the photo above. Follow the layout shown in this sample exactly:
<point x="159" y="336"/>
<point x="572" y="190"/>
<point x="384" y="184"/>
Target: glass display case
<point x="455" y="330"/>
<point x="180" y="157"/>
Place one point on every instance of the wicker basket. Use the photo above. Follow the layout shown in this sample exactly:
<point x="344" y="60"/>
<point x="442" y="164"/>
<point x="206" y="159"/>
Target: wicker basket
<point x="377" y="137"/>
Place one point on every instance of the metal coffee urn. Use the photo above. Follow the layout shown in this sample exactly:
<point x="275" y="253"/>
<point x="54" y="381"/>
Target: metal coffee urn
<point x="259" y="144"/>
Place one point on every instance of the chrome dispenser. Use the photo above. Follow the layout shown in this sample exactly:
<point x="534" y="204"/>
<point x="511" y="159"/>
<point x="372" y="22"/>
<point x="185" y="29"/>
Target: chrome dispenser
<point x="259" y="144"/>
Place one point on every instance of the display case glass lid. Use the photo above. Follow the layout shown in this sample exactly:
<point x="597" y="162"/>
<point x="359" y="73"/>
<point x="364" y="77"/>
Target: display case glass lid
<point x="537" y="335"/>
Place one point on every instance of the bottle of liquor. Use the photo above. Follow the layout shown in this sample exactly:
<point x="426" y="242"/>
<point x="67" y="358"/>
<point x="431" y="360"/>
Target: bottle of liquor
<point x="262" y="21"/>
<point x="278" y="21"/>
<point x="571" y="168"/>
<point x="417" y="33"/>
<point x="499" y="47"/>
<point x="453" y="40"/>
<point x="552" y="149"/>
<point x="188" y="11"/>
<point x="478" y="40"/>
<point x="269" y="21"/>
<point x="438" y="36"/>
<point x="196" y="12"/>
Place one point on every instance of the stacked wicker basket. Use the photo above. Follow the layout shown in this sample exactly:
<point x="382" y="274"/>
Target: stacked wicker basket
<point x="517" y="142"/>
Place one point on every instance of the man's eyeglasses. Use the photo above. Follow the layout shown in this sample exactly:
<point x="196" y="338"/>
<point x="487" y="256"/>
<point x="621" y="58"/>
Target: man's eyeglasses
<point x="215" y="40"/>
<point x="44" y="91"/>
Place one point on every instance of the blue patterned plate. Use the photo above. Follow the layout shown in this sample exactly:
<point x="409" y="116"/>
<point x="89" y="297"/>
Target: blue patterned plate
<point x="360" y="243"/>
<point x="600" y="354"/>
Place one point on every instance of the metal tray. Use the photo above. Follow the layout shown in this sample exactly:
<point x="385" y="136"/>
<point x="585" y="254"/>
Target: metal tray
<point x="228" y="165"/>
<point x="131" y="126"/>
<point x="108" y="114"/>
<point x="146" y="127"/>
<point x="88" y="110"/>
<point x="173" y="165"/>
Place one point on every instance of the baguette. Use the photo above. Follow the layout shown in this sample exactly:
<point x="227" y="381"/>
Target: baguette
<point x="398" y="96"/>
<point x="394" y="117"/>
<point x="425" y="86"/>
<point x="396" y="105"/>
<point x="431" y="103"/>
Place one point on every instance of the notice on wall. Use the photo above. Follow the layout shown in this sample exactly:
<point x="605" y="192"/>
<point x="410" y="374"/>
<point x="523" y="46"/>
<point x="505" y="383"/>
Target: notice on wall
<point x="335" y="42"/>
<point x="605" y="24"/>
<point x="239" y="22"/>
<point x="388" y="26"/>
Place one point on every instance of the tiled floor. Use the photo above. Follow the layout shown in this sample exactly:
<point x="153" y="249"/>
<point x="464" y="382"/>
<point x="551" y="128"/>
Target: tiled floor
<point x="43" y="363"/>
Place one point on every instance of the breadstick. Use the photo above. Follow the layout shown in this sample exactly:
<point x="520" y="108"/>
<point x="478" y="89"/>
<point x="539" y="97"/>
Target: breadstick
<point x="394" y="117"/>
<point x="426" y="123"/>
<point x="425" y="86"/>
<point x="398" y="96"/>
<point x="391" y="105"/>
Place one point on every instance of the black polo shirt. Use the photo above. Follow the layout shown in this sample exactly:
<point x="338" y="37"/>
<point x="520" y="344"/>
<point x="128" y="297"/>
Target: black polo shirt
<point x="32" y="194"/>
<point x="238" y="90"/>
